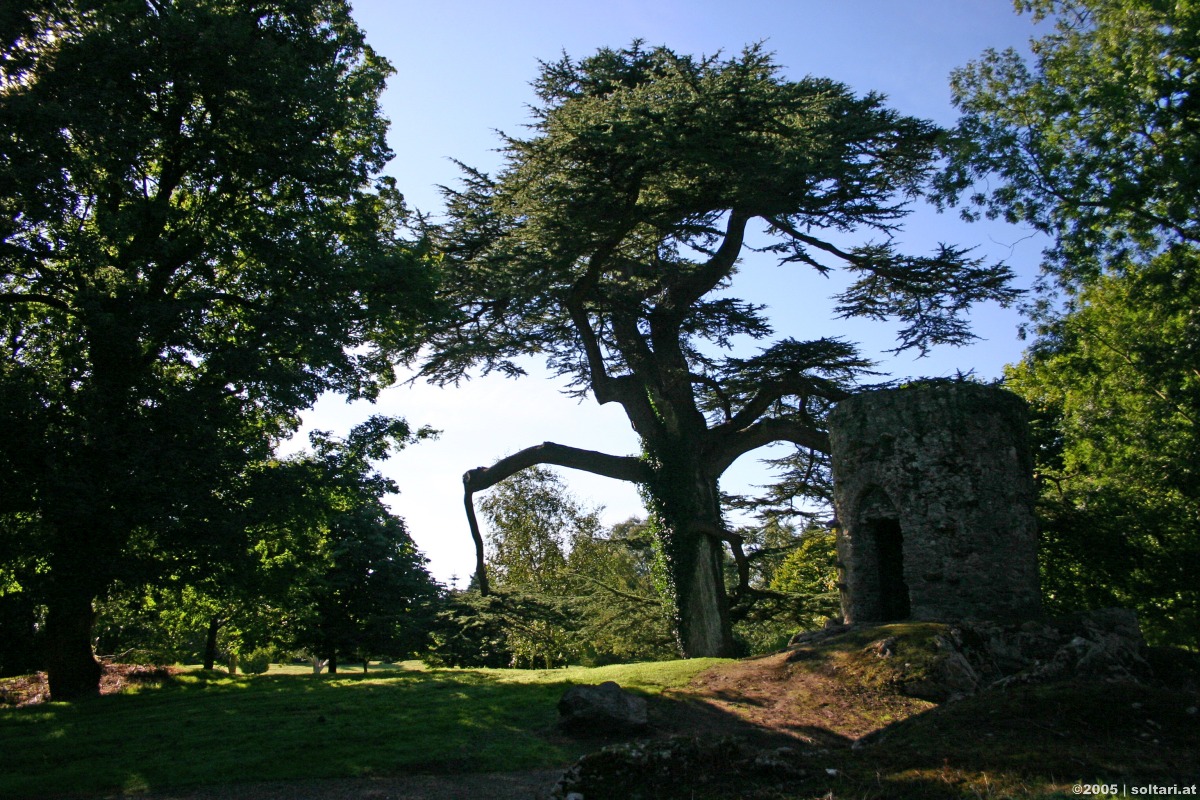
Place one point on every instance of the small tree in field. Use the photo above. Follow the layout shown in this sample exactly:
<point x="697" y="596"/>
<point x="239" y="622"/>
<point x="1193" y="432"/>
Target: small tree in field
<point x="608" y="243"/>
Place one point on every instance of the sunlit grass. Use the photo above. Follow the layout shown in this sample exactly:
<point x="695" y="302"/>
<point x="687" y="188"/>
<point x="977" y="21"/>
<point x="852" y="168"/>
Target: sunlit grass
<point x="209" y="727"/>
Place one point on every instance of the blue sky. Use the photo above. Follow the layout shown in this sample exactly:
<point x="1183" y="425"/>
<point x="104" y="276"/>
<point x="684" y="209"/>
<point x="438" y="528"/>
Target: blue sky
<point x="464" y="71"/>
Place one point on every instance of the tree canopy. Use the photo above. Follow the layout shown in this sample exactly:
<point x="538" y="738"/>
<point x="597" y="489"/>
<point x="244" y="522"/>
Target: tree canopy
<point x="609" y="241"/>
<point x="194" y="244"/>
<point x="1096" y="143"/>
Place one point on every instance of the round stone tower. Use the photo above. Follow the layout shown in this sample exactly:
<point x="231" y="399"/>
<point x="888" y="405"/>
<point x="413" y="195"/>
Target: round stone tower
<point x="934" y="492"/>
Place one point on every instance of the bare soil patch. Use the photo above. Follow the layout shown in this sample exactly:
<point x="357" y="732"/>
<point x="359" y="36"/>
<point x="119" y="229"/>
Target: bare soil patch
<point x="28" y="690"/>
<point x="788" y="695"/>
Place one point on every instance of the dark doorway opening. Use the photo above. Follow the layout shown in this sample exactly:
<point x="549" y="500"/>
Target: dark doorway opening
<point x="894" y="602"/>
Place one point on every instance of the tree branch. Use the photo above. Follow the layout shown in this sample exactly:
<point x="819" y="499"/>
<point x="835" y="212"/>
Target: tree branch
<point x="734" y="445"/>
<point x="769" y="393"/>
<point x="603" y="385"/>
<point x="623" y="468"/>
<point x="684" y="295"/>
<point x="12" y="298"/>
<point x="820" y="244"/>
<point x="649" y="601"/>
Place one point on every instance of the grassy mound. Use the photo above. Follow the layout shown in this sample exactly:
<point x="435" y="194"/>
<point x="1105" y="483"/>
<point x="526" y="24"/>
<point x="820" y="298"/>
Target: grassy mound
<point x="843" y="725"/>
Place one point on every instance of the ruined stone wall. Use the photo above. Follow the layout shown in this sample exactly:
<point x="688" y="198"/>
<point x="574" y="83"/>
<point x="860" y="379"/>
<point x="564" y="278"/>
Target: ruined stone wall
<point x="934" y="493"/>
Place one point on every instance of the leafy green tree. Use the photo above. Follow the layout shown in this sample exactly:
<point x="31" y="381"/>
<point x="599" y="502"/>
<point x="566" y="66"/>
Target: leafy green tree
<point x="193" y="246"/>
<point x="325" y="561"/>
<point x="565" y="590"/>
<point x="374" y="598"/>
<point x="325" y="567"/>
<point x="532" y="519"/>
<point x="608" y="244"/>
<point x="1116" y="393"/>
<point x="622" y="615"/>
<point x="790" y="577"/>
<point x="1096" y="143"/>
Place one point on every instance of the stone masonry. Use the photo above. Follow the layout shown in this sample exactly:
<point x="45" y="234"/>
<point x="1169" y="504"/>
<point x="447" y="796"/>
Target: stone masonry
<point x="934" y="493"/>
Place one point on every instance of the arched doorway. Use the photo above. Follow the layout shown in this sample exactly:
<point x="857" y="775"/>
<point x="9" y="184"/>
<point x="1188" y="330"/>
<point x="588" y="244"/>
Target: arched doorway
<point x="887" y="542"/>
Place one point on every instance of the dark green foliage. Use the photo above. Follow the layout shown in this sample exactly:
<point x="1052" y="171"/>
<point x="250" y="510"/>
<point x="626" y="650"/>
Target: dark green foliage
<point x="18" y="633"/>
<point x="373" y="597"/>
<point x="1117" y="398"/>
<point x="792" y="584"/>
<point x="341" y="567"/>
<point x="255" y="662"/>
<point x="471" y="631"/>
<point x="623" y="616"/>
<point x="326" y="568"/>
<point x="1096" y="143"/>
<point x="193" y="246"/>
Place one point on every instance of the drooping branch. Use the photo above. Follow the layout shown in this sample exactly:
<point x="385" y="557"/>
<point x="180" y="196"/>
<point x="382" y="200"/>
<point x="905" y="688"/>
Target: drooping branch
<point x="636" y="598"/>
<point x="788" y="229"/>
<point x="624" y="468"/>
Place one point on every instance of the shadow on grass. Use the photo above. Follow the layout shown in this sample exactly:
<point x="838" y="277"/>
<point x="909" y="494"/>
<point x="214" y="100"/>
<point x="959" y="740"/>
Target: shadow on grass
<point x="694" y="716"/>
<point x="209" y="728"/>
<point x="1029" y="741"/>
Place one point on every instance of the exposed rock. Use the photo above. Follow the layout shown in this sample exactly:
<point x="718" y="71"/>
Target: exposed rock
<point x="951" y="676"/>
<point x="603" y="709"/>
<point x="1100" y="645"/>
<point x="649" y="769"/>
<point x="884" y="648"/>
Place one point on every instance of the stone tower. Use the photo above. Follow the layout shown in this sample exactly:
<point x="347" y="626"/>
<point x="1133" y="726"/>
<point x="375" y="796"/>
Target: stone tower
<point x="934" y="493"/>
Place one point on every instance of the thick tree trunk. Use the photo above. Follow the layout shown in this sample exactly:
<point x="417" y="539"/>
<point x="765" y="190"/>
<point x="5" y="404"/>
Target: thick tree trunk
<point x="74" y="673"/>
<point x="688" y="504"/>
<point x="210" y="642"/>
<point x="331" y="664"/>
<point x="702" y="605"/>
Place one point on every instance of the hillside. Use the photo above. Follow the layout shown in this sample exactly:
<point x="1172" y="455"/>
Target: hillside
<point x="836" y="717"/>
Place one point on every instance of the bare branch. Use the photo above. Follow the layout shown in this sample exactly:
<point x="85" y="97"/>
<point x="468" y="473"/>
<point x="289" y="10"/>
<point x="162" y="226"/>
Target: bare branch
<point x="783" y="227"/>
<point x="785" y="386"/>
<point x="685" y="295"/>
<point x="603" y="385"/>
<point x="623" y="468"/>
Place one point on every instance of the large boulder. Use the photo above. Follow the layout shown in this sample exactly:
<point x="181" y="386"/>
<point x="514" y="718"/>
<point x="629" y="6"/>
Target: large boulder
<point x="603" y="709"/>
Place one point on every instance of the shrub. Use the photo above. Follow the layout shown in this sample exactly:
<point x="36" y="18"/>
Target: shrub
<point x="256" y="661"/>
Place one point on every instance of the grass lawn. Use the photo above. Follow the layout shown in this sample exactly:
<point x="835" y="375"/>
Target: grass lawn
<point x="209" y="728"/>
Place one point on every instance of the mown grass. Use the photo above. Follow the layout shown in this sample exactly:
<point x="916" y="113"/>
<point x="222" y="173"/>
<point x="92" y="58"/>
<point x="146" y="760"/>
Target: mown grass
<point x="209" y="728"/>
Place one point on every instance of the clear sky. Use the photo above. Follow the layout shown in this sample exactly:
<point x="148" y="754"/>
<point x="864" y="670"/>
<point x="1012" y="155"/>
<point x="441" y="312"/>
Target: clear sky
<point x="463" y="71"/>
